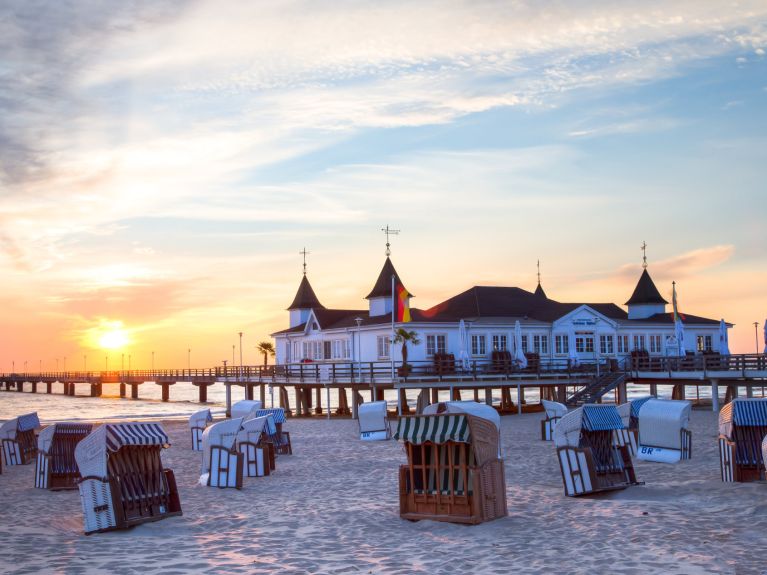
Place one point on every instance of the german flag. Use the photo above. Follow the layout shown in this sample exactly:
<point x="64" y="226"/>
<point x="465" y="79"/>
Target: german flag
<point x="403" y="308"/>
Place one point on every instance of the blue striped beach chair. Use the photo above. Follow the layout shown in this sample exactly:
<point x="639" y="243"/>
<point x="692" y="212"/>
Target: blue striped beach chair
<point x="592" y="451"/>
<point x="280" y="438"/>
<point x="123" y="480"/>
<point x="19" y="442"/>
<point x="742" y="429"/>
<point x="629" y="413"/>
<point x="56" y="468"/>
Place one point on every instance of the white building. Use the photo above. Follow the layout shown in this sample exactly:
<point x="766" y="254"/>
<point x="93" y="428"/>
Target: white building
<point x="599" y="330"/>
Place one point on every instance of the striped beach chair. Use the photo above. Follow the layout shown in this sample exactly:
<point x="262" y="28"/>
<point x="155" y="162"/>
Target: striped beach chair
<point x="280" y="438"/>
<point x="222" y="464"/>
<point x="554" y="412"/>
<point x="19" y="442"/>
<point x="246" y="409"/>
<point x="123" y="480"/>
<point x="742" y="429"/>
<point x="373" y="423"/>
<point x="592" y="451"/>
<point x="197" y="424"/>
<point x="664" y="436"/>
<point x="475" y="408"/>
<point x="56" y="468"/>
<point x="629" y="413"/>
<point x="453" y="471"/>
<point x="257" y="452"/>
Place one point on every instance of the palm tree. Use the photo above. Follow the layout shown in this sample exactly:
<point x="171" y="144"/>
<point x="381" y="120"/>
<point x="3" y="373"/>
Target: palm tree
<point x="405" y="337"/>
<point x="266" y="348"/>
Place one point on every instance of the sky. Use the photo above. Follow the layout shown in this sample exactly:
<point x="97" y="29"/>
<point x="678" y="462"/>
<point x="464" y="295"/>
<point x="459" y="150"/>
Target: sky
<point x="162" y="163"/>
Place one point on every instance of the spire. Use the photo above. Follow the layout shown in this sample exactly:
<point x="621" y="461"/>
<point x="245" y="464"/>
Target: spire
<point x="382" y="287"/>
<point x="305" y="297"/>
<point x="539" y="290"/>
<point x="644" y="255"/>
<point x="304" y="253"/>
<point x="645" y="292"/>
<point x="388" y="233"/>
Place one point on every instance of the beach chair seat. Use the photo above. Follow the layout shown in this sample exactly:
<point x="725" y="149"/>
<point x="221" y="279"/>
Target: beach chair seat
<point x="373" y="423"/>
<point x="554" y="412"/>
<point x="246" y="409"/>
<point x="56" y="468"/>
<point x="257" y="453"/>
<point x="123" y="480"/>
<point x="19" y="442"/>
<point x="222" y="464"/>
<point x="197" y="423"/>
<point x="453" y="471"/>
<point x="592" y="452"/>
<point x="279" y="438"/>
<point x="664" y="436"/>
<point x="742" y="429"/>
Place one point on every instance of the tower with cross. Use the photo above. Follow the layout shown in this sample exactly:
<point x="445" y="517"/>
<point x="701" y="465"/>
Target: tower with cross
<point x="389" y="232"/>
<point x="644" y="255"/>
<point x="304" y="253"/>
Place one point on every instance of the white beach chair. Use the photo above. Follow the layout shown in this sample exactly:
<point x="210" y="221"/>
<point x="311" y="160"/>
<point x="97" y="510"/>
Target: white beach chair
<point x="197" y="424"/>
<point x="123" y="481"/>
<point x="742" y="429"/>
<point x="592" y="452"/>
<point x="222" y="464"/>
<point x="246" y="408"/>
<point x="554" y="412"/>
<point x="18" y="439"/>
<point x="374" y="425"/>
<point x="257" y="460"/>
<point x="55" y="466"/>
<point x="629" y="413"/>
<point x="664" y="436"/>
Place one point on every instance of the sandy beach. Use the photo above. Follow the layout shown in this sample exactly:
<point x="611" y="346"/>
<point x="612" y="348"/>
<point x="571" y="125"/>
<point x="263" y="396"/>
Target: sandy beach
<point x="332" y="507"/>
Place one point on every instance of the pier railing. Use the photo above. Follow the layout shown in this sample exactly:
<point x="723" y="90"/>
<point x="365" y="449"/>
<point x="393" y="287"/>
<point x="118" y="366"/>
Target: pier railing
<point x="705" y="365"/>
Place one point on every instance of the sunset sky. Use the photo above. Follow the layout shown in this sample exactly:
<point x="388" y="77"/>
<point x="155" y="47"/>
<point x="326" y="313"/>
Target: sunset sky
<point x="163" y="163"/>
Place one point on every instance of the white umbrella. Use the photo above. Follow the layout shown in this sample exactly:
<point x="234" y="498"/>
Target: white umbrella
<point x="519" y="355"/>
<point x="463" y="337"/>
<point x="679" y="333"/>
<point x="571" y="347"/>
<point x="724" y="348"/>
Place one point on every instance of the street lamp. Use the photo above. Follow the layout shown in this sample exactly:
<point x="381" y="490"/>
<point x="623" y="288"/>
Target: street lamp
<point x="106" y="362"/>
<point x="65" y="363"/>
<point x="756" y="336"/>
<point x="152" y="361"/>
<point x="358" y="321"/>
<point x="240" y="354"/>
<point x="85" y="363"/>
<point x="189" y="358"/>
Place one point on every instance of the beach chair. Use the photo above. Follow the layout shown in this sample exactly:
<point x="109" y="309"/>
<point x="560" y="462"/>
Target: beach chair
<point x="246" y="408"/>
<point x="257" y="453"/>
<point x="56" y="468"/>
<point x="592" y="452"/>
<point x="222" y="464"/>
<point x="18" y="439"/>
<point x="554" y="412"/>
<point x="280" y="438"/>
<point x="453" y="471"/>
<point x="197" y="424"/>
<point x="472" y="408"/>
<point x="374" y="425"/>
<point x="123" y="480"/>
<point x="742" y="429"/>
<point x="664" y="436"/>
<point x="629" y="413"/>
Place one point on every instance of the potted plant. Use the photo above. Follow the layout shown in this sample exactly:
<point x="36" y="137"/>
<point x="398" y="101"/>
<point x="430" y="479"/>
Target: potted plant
<point x="405" y="337"/>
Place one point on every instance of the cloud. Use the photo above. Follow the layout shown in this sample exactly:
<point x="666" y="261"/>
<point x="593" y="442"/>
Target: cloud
<point x="682" y="265"/>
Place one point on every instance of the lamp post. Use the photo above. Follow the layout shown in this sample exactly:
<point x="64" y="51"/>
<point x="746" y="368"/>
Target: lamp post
<point x="106" y="362"/>
<point x="122" y="362"/>
<point x="85" y="363"/>
<point x="129" y="362"/>
<point x="358" y="321"/>
<point x="41" y="365"/>
<point x="152" y="361"/>
<point x="756" y="337"/>
<point x="228" y="393"/>
<point x="65" y="363"/>
<point x="240" y="355"/>
<point x="189" y="358"/>
<point x="57" y="364"/>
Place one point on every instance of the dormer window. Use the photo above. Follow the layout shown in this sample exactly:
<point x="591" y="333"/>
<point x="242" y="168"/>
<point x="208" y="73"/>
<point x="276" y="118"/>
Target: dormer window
<point x="315" y="327"/>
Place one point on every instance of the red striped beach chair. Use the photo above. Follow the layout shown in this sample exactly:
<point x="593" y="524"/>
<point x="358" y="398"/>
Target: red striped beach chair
<point x="592" y="451"/>
<point x="554" y="412"/>
<point x="742" y="429"/>
<point x="664" y="436"/>
<point x="19" y="442"/>
<point x="280" y="438"/>
<point x="123" y="480"/>
<point x="197" y="424"/>
<point x="56" y="468"/>
<point x="222" y="464"/>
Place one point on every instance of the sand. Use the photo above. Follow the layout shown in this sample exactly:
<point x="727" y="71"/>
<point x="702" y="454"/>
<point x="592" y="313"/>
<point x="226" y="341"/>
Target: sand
<point x="332" y="507"/>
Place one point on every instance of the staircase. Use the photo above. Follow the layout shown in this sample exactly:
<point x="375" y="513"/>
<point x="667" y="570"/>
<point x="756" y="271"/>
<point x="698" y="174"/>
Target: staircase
<point x="591" y="392"/>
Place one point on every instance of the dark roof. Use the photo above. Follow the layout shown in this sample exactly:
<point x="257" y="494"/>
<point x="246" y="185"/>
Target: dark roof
<point x="539" y="291"/>
<point x="645" y="292"/>
<point x="382" y="287"/>
<point x="669" y="318"/>
<point x="305" y="297"/>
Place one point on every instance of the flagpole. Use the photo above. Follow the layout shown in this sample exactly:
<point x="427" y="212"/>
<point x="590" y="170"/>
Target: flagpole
<point x="393" y="307"/>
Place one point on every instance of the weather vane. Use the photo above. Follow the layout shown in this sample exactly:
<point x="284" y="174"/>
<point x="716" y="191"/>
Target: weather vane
<point x="388" y="233"/>
<point x="304" y="253"/>
<point x="644" y="255"/>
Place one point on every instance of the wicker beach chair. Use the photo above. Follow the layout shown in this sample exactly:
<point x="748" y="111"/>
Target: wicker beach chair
<point x="280" y="438"/>
<point x="257" y="452"/>
<point x="453" y="471"/>
<point x="18" y="439"/>
<point x="664" y="436"/>
<point x="629" y="413"/>
<point x="246" y="408"/>
<point x="56" y="468"/>
<point x="222" y="464"/>
<point x="197" y="424"/>
<point x="554" y="412"/>
<point x="742" y="429"/>
<point x="123" y="480"/>
<point x="374" y="425"/>
<point x="592" y="452"/>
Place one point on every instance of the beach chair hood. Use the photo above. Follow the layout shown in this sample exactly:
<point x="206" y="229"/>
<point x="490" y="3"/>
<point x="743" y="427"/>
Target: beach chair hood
<point x="223" y="433"/>
<point x="20" y="423"/>
<point x="554" y="409"/>
<point x="481" y="410"/>
<point x="8" y="429"/>
<point x="742" y="412"/>
<point x="587" y="418"/>
<point x="631" y="409"/>
<point x="372" y="416"/>
<point x="567" y="432"/>
<point x="246" y="408"/>
<point x="252" y="429"/>
<point x="420" y="429"/>
<point x="200" y="419"/>
<point x="277" y="413"/>
<point x="661" y="420"/>
<point x="45" y="438"/>
<point x="92" y="452"/>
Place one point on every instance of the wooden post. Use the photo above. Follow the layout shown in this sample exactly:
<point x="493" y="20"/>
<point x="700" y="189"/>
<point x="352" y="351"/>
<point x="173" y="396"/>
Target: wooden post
<point x="318" y="408"/>
<point x="202" y="390"/>
<point x="489" y="396"/>
<point x="476" y="394"/>
<point x="262" y="394"/>
<point x="434" y="395"/>
<point x="654" y="389"/>
<point x="403" y="401"/>
<point x="34" y="387"/>
<point x="122" y="389"/>
<point x="714" y="395"/>
<point x="521" y="398"/>
<point x="19" y="386"/>
<point x="749" y="390"/>
<point x="165" y="391"/>
<point x="355" y="403"/>
<point x="49" y="387"/>
<point x="134" y="390"/>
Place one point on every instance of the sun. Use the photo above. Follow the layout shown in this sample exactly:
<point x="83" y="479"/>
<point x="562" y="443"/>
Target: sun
<point x="115" y="338"/>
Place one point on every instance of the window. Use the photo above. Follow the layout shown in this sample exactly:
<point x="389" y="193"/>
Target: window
<point x="541" y="344"/>
<point x="478" y="345"/>
<point x="306" y="350"/>
<point x="327" y="349"/>
<point x="606" y="345"/>
<point x="296" y="352"/>
<point x="435" y="344"/>
<point x="383" y="346"/>
<point x="499" y="343"/>
<point x="704" y="343"/>
<point x="623" y="344"/>
<point x="317" y="350"/>
<point x="561" y="344"/>
<point x="639" y="342"/>
<point x="655" y="344"/>
<point x="584" y="344"/>
<point x="340" y="348"/>
<point x="524" y="343"/>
